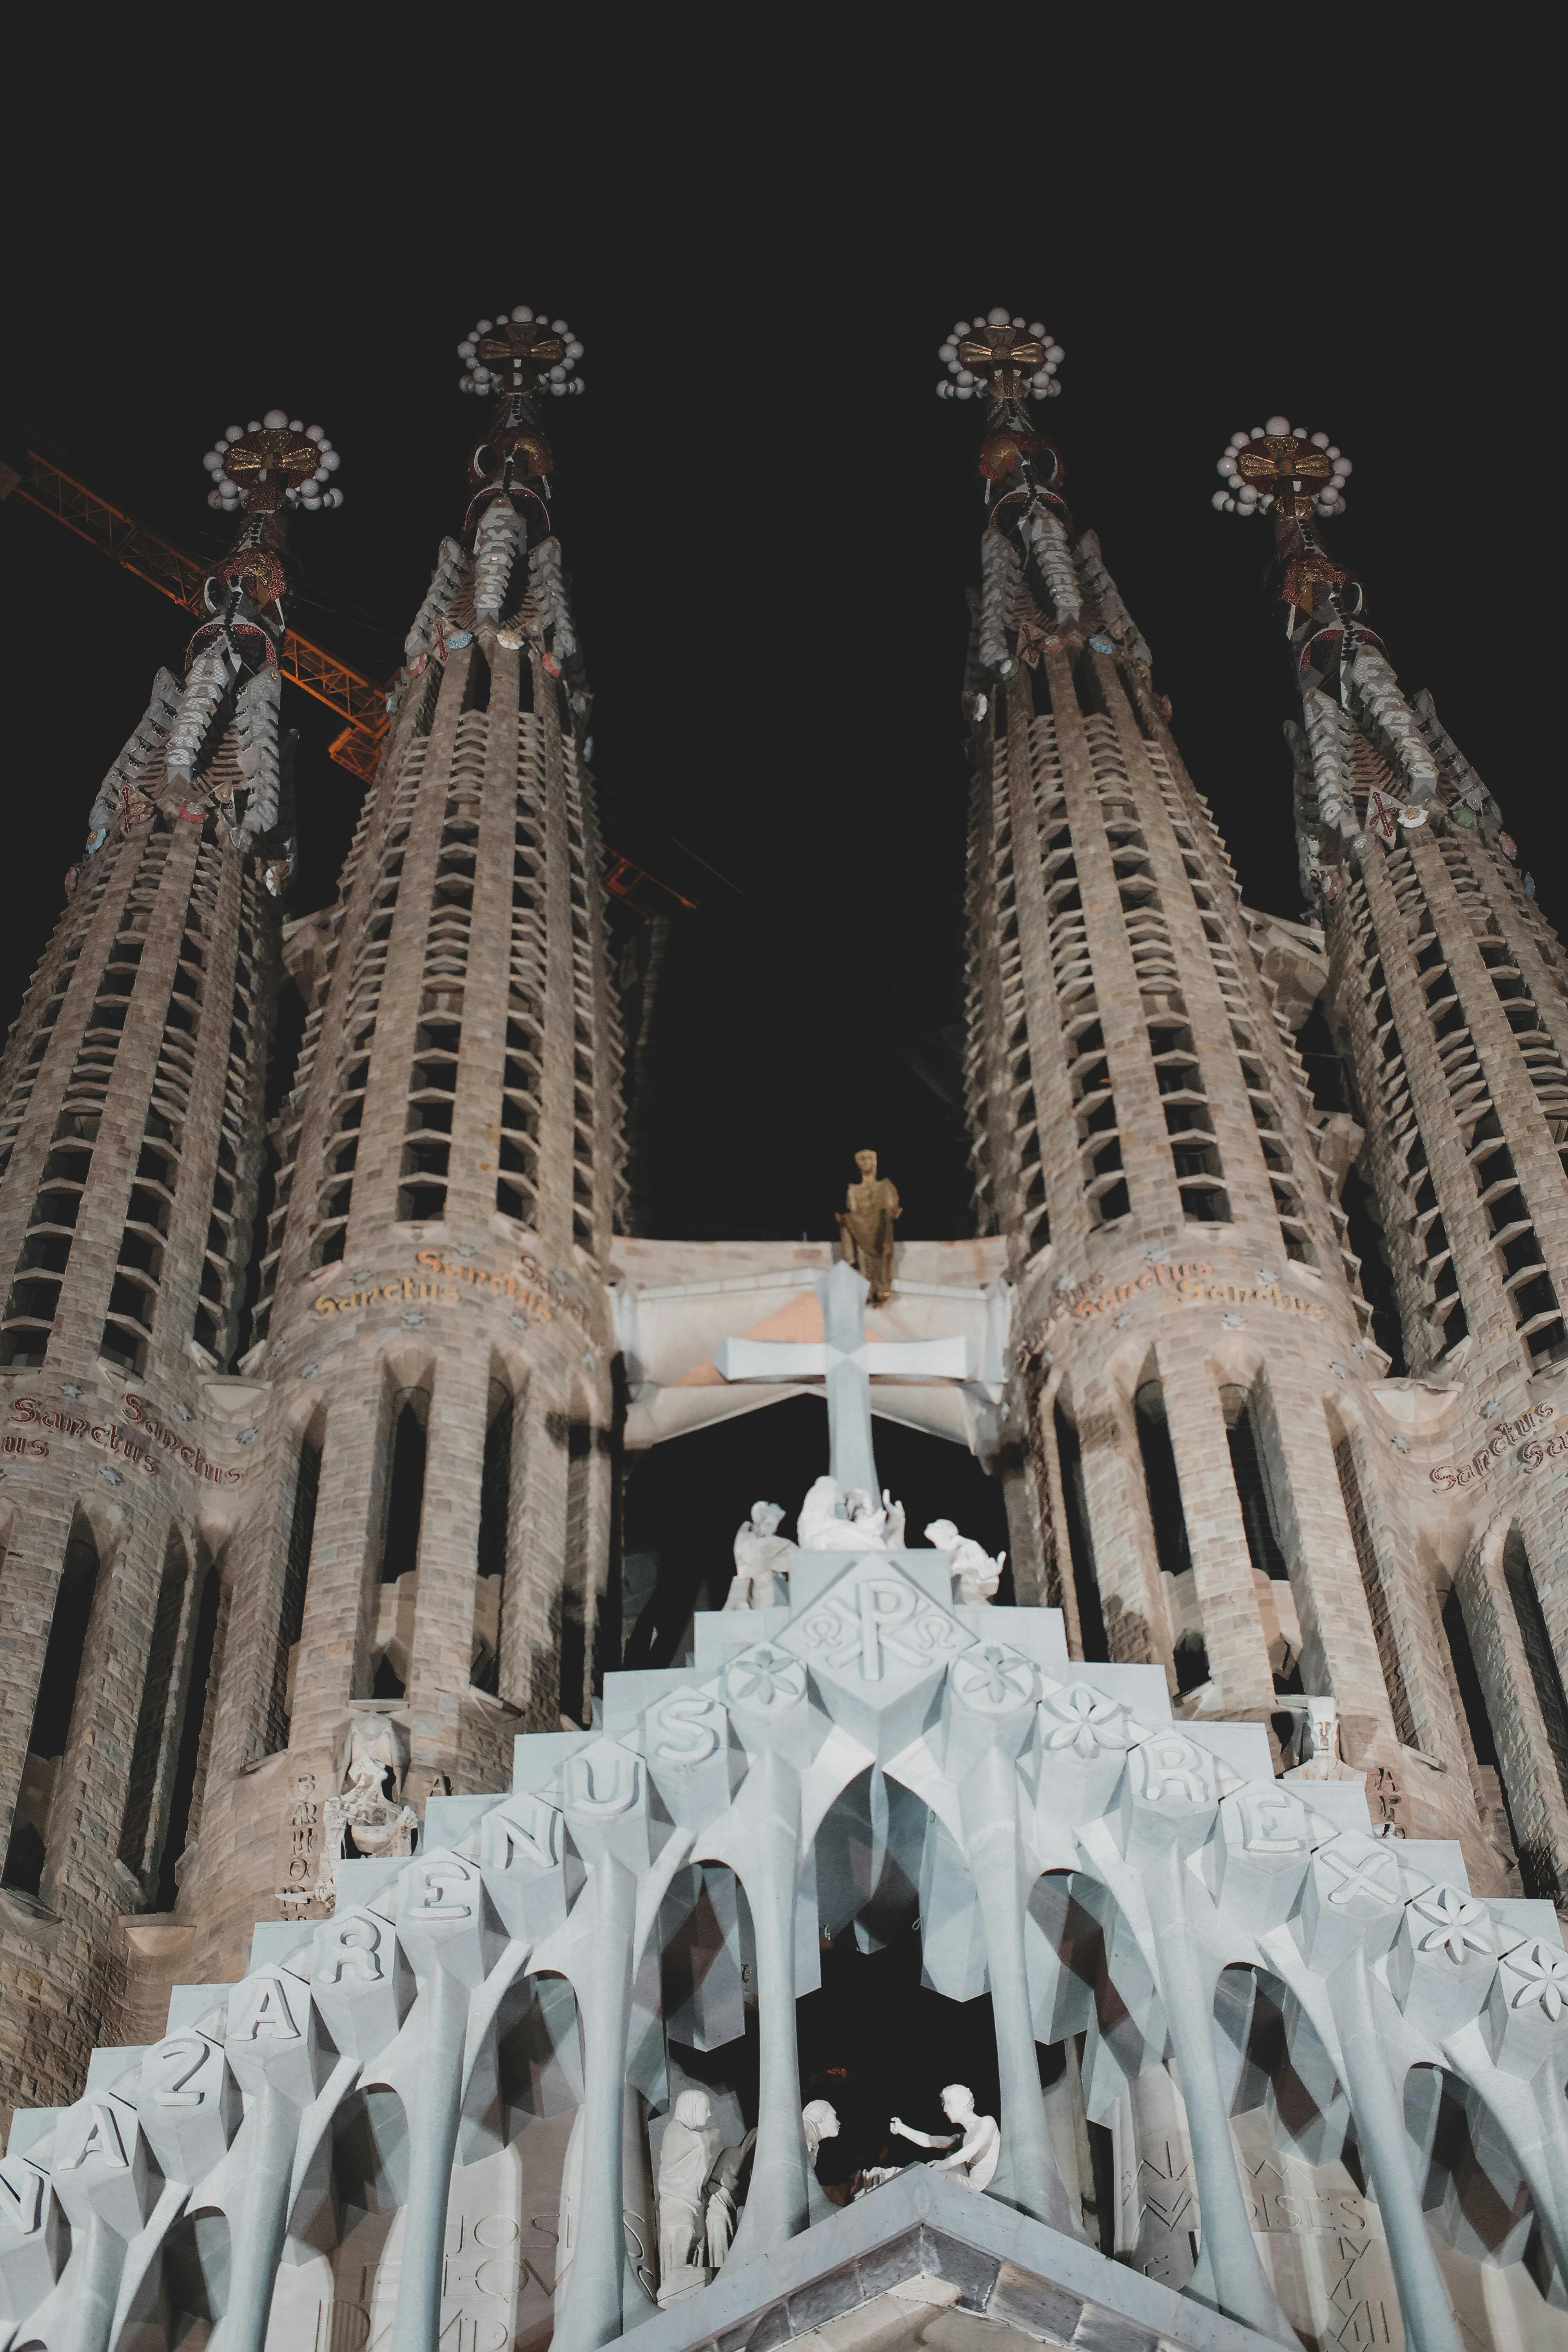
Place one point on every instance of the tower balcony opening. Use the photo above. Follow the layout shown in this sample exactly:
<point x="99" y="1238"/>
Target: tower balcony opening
<point x="44" y="1252"/>
<point x="54" y="1709"/>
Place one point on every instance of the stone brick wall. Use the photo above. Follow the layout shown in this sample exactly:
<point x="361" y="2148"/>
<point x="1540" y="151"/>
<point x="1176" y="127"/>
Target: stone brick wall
<point x="462" y="1020"/>
<point x="1117" y="996"/>
<point x="148" y="1022"/>
<point x="1449" y="991"/>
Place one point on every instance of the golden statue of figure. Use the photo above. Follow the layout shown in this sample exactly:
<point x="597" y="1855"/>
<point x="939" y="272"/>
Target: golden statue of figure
<point x="866" y="1227"/>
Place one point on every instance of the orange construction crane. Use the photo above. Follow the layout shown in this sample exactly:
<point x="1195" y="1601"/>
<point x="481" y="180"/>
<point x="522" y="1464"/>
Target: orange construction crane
<point x="357" y="700"/>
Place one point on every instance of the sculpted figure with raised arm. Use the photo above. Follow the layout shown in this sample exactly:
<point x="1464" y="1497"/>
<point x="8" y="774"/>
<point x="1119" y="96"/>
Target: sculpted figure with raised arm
<point x="978" y="2152"/>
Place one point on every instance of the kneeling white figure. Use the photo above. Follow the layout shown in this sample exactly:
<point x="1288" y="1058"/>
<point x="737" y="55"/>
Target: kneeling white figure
<point x="976" y="2144"/>
<point x="760" y="1554"/>
<point x="978" y="1574"/>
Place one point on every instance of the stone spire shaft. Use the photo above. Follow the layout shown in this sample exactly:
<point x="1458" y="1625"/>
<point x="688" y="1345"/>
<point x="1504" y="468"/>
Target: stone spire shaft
<point x="130" y="1106"/>
<point x="433" y="1320"/>
<point x="1187" y="1319"/>
<point x="1448" y="995"/>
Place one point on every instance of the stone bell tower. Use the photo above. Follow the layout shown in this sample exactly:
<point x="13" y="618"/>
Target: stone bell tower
<point x="1188" y="1324"/>
<point x="1448" y="997"/>
<point x="423" y="1577"/>
<point x="130" y="1143"/>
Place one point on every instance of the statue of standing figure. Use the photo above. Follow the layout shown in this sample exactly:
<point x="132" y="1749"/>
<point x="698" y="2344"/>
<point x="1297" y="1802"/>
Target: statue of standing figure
<point x="866" y="1227"/>
<point x="698" y="2186"/>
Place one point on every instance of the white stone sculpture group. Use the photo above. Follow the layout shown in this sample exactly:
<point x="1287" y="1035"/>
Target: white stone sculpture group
<point x="839" y="1519"/>
<point x="699" y="2191"/>
<point x="699" y="2179"/>
<point x="1064" y="1836"/>
<point x="836" y="1518"/>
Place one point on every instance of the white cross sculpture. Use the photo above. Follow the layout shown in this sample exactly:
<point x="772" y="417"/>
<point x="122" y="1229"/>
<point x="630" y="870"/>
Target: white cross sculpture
<point x="847" y="1359"/>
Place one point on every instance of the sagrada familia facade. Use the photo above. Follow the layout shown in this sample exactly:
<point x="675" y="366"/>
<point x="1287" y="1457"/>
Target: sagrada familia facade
<point x="379" y="1966"/>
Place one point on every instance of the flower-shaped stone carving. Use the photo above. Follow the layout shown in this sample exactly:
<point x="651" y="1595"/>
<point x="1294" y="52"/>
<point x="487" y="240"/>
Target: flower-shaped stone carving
<point x="1085" y="1720"/>
<point x="995" y="1680"/>
<point x="764" y="1677"/>
<point x="1542" y="1975"/>
<point x="1446" y="1920"/>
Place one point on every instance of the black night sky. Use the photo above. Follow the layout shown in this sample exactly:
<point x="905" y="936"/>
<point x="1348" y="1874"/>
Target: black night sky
<point x="769" y="519"/>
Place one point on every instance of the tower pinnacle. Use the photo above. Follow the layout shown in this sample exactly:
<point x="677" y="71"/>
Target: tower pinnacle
<point x="1284" y="468"/>
<point x="1028" y="581"/>
<point x="518" y="357"/>
<point x="174" y="764"/>
<point x="1001" y="355"/>
<point x="1355" y="716"/>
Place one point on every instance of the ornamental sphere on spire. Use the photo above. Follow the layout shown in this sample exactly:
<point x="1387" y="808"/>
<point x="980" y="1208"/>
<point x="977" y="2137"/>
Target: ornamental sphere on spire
<point x="273" y="461"/>
<point x="522" y="352"/>
<point x="1282" y="465"/>
<point x="1008" y="357"/>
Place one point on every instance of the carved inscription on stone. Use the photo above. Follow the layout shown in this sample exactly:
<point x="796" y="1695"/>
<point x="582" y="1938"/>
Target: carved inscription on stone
<point x="875" y="1624"/>
<point x="1321" y="2242"/>
<point x="301" y="1836"/>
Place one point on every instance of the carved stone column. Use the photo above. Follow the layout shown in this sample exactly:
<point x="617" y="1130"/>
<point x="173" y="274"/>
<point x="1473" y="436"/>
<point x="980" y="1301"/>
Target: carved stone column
<point x="1352" y="1910"/>
<point x="1169" y="1802"/>
<point x="992" y="1698"/>
<point x="779" y="2205"/>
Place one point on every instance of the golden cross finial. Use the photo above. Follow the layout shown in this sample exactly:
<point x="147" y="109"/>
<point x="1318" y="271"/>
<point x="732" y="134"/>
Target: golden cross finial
<point x="1010" y="358"/>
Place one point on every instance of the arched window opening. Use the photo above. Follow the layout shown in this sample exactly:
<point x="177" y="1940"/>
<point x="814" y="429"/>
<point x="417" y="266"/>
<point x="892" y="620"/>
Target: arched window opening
<point x="495" y="1519"/>
<point x="1364" y="1235"/>
<point x="52" y="1713"/>
<point x="424" y="719"/>
<point x="1261" y="1521"/>
<point x="1080" y="1544"/>
<point x="405" y="1487"/>
<point x="1249" y="1466"/>
<point x="1536" y="1870"/>
<point x="1474" y="2196"/>
<point x="1295" y="2137"/>
<point x="196" y="2255"/>
<point x="195" y="1738"/>
<point x="1321" y="1055"/>
<point x="1378" y="1599"/>
<point x="577" y="1581"/>
<point x="296" y="1576"/>
<point x="476" y="685"/>
<point x="1472" y="1697"/>
<point x="1538" y="1650"/>
<point x="1168" y="1520"/>
<point x="147" y="1752"/>
<point x="1161" y="1480"/>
